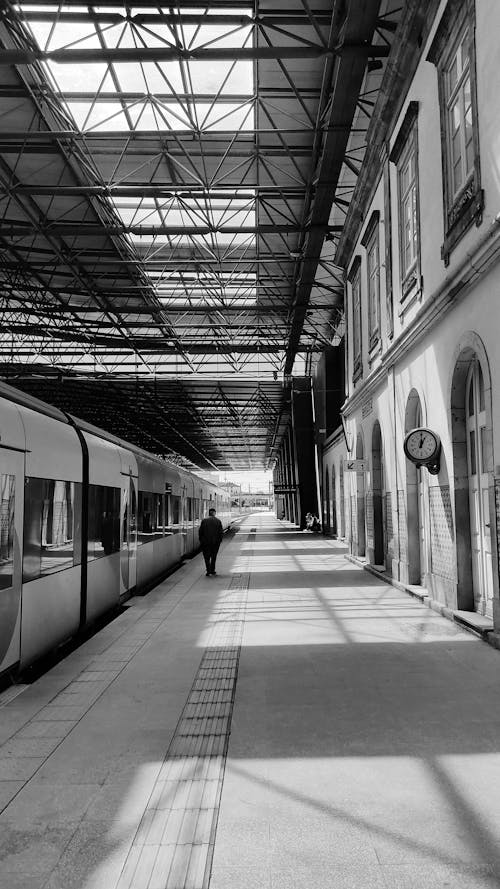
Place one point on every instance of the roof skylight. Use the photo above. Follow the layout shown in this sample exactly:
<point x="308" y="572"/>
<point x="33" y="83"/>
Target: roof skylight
<point x="175" y="93"/>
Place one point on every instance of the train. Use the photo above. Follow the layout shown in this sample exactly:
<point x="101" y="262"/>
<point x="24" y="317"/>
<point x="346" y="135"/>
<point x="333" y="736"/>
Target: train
<point x="86" y="521"/>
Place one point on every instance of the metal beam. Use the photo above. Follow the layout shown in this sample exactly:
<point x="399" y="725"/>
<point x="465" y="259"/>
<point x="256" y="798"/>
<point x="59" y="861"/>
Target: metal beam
<point x="18" y="229"/>
<point x="300" y="19"/>
<point x="343" y="92"/>
<point x="185" y="189"/>
<point x="177" y="54"/>
<point x="150" y="347"/>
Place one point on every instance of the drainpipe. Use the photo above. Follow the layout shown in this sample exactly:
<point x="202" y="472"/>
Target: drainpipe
<point x="316" y="459"/>
<point x="396" y="479"/>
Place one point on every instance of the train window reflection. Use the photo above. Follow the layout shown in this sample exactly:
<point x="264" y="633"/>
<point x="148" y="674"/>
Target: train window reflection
<point x="52" y="535"/>
<point x="149" y="517"/>
<point x="176" y="514"/>
<point x="7" y="490"/>
<point x="104" y="521"/>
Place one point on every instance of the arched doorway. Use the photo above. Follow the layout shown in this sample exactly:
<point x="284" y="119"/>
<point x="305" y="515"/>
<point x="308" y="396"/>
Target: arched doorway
<point x="472" y="467"/>
<point x="326" y="501"/>
<point x="479" y="507"/>
<point x="379" y="535"/>
<point x="333" y="504"/>
<point x="360" y="501"/>
<point x="416" y="503"/>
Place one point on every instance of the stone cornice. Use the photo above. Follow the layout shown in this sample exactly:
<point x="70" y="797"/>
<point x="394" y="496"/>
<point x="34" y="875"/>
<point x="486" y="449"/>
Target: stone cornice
<point x="476" y="264"/>
<point x="333" y="439"/>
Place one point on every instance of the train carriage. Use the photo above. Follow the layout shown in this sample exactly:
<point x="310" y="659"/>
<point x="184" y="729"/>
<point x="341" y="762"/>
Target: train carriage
<point x="85" y="520"/>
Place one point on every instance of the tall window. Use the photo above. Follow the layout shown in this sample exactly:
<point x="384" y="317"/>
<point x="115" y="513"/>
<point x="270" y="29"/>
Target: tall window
<point x="407" y="181"/>
<point x="459" y="117"/>
<point x="404" y="156"/>
<point x="453" y="52"/>
<point x="355" y="281"/>
<point x="370" y="241"/>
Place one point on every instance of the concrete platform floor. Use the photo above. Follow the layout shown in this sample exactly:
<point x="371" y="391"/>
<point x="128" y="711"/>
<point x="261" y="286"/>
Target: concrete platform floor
<point x="364" y="745"/>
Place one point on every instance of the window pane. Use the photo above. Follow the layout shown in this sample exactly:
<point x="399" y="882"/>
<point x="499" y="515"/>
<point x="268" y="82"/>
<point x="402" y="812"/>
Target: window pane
<point x="408" y="210"/>
<point x="356" y="296"/>
<point x="57" y="531"/>
<point x="176" y="513"/>
<point x="469" y="146"/>
<point x="472" y="452"/>
<point x="483" y="455"/>
<point x="480" y="384"/>
<point x="145" y="517"/>
<point x="457" y="176"/>
<point x="453" y="75"/>
<point x="104" y="521"/>
<point x="373" y="286"/>
<point x="8" y="488"/>
<point x="471" y="397"/>
<point x="464" y="52"/>
<point x="168" y="514"/>
<point x="52" y="535"/>
<point x="157" y="516"/>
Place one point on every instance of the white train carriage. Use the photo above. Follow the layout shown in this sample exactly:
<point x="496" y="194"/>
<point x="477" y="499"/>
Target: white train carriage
<point x="85" y="520"/>
<point x="41" y="552"/>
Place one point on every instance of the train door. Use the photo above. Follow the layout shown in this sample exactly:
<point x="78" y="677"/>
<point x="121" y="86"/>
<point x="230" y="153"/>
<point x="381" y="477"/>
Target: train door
<point x="11" y="537"/>
<point x="183" y="517"/>
<point x="128" y="559"/>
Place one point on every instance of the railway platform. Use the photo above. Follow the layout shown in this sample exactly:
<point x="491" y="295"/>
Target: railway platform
<point x="292" y="722"/>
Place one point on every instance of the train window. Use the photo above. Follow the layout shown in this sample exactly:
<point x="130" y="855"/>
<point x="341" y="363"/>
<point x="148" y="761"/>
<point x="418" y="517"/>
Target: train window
<point x="104" y="521"/>
<point x="52" y="535"/>
<point x="158" y="501"/>
<point x="7" y="490"/>
<point x="176" y="513"/>
<point x="144" y="517"/>
<point x="150" y="517"/>
<point x="167" y="528"/>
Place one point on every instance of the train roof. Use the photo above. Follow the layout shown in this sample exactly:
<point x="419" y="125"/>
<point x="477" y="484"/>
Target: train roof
<point x="24" y="400"/>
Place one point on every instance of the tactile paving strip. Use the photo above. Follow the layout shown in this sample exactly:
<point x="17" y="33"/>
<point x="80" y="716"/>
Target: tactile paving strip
<point x="174" y="844"/>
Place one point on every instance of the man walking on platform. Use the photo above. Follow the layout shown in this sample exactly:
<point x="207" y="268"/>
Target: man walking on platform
<point x="210" y="535"/>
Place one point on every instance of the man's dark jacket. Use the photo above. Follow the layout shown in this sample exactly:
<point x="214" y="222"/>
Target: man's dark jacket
<point x="211" y="532"/>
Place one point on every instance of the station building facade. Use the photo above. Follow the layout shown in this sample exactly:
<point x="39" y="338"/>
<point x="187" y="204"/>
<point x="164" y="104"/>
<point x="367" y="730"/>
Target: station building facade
<point x="421" y="257"/>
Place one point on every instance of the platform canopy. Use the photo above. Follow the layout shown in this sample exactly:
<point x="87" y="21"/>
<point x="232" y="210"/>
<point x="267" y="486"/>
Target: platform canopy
<point x="174" y="180"/>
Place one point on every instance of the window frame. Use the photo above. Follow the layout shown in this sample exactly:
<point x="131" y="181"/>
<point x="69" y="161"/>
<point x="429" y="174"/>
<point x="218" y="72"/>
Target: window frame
<point x="463" y="207"/>
<point x="354" y="278"/>
<point x="371" y="243"/>
<point x="405" y="150"/>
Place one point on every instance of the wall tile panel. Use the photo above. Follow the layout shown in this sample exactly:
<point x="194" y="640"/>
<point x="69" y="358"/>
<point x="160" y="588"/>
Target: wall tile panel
<point x="402" y="527"/>
<point x="442" y="532"/>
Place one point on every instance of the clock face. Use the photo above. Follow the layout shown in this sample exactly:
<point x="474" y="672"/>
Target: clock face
<point x="421" y="445"/>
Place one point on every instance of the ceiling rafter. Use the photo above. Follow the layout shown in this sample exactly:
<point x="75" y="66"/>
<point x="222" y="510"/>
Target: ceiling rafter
<point x="167" y="213"/>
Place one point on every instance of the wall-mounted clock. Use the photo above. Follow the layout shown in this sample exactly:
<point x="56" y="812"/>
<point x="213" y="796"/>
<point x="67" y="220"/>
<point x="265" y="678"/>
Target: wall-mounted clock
<point x="423" y="447"/>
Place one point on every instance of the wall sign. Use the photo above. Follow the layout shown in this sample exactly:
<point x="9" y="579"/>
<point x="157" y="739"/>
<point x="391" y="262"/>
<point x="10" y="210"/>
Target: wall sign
<point x="423" y="447"/>
<point x="356" y="465"/>
<point x="367" y="408"/>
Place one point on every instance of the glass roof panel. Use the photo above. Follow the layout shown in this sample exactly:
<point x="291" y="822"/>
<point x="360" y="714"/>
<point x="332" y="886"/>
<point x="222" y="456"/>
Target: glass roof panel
<point x="153" y="77"/>
<point x="226" y="77"/>
<point x="85" y="77"/>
